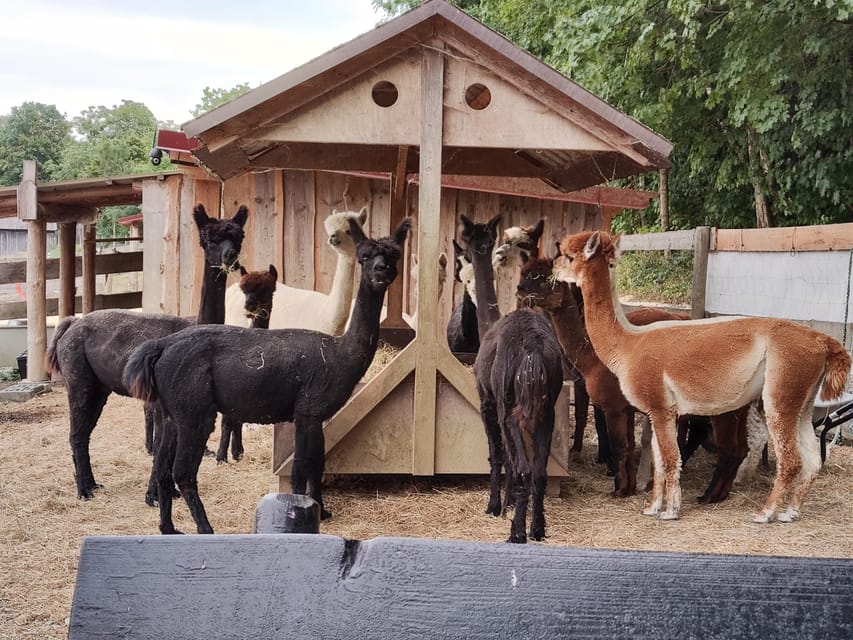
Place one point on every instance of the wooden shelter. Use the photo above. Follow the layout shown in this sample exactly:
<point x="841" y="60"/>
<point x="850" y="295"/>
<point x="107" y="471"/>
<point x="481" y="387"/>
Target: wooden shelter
<point x="430" y="96"/>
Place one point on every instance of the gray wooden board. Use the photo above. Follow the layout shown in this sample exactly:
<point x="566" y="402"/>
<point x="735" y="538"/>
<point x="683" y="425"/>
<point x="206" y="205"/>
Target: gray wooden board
<point x="320" y="586"/>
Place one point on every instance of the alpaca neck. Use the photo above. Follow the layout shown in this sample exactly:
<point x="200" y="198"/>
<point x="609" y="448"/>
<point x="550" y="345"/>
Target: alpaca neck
<point x="484" y="287"/>
<point x="340" y="297"/>
<point x="211" y="309"/>
<point x="362" y="335"/>
<point x="571" y="334"/>
<point x="606" y="324"/>
<point x="262" y="320"/>
<point x="469" y="315"/>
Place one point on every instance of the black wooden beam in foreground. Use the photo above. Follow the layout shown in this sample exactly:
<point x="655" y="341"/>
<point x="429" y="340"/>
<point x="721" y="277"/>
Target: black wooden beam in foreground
<point x="318" y="586"/>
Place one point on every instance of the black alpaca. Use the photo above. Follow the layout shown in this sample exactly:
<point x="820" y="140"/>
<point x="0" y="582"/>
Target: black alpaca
<point x="519" y="371"/>
<point x="259" y="288"/>
<point x="260" y="376"/>
<point x="462" y="333"/>
<point x="91" y="351"/>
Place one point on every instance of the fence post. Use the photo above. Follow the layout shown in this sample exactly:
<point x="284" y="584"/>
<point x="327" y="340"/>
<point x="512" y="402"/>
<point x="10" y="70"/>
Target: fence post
<point x="701" y="247"/>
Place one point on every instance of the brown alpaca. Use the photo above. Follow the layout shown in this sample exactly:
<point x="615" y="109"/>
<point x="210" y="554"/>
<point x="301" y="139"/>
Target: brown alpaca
<point x="708" y="367"/>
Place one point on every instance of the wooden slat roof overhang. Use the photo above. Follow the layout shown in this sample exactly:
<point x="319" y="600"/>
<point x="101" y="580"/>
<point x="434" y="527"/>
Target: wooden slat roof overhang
<point x="290" y="121"/>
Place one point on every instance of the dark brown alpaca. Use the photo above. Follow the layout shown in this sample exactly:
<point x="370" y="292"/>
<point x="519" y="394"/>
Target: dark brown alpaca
<point x="259" y="288"/>
<point x="91" y="351"/>
<point x="284" y="375"/>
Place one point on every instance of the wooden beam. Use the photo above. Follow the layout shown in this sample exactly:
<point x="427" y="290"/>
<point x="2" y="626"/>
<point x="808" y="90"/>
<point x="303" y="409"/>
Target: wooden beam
<point x="429" y="214"/>
<point x="36" y="316"/>
<point x="458" y="375"/>
<point x="12" y="272"/>
<point x="27" y="196"/>
<point x="663" y="241"/>
<point x="394" y="301"/>
<point x="701" y="246"/>
<point x="67" y="269"/>
<point x="89" y="268"/>
<point x="129" y="300"/>
<point x="828" y="237"/>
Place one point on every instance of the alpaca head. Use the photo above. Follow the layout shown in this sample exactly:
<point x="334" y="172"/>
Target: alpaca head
<point x="259" y="287"/>
<point x="537" y="286"/>
<point x="442" y="273"/>
<point x="518" y="245"/>
<point x="580" y="250"/>
<point x="378" y="258"/>
<point x="479" y="239"/>
<point x="221" y="239"/>
<point x="337" y="227"/>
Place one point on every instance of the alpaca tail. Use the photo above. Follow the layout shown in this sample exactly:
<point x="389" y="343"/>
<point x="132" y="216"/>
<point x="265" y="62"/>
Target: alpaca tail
<point x="837" y="369"/>
<point x="138" y="377"/>
<point x="531" y="390"/>
<point x="51" y="360"/>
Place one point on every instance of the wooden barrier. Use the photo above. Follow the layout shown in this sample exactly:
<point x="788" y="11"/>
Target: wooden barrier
<point x="319" y="586"/>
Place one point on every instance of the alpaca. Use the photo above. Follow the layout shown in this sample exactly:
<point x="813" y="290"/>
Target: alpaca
<point x="519" y="371"/>
<point x="260" y="376"/>
<point x="462" y="333"/>
<point x="519" y="244"/>
<point x="304" y="308"/>
<point x="708" y="367"/>
<point x="259" y="288"/>
<point x="91" y="351"/>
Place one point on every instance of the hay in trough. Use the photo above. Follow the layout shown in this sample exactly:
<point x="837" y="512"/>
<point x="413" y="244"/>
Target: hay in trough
<point x="42" y="523"/>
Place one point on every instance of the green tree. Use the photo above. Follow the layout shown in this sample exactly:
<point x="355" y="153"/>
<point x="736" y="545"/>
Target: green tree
<point x="31" y="131"/>
<point x="212" y="98"/>
<point x="757" y="96"/>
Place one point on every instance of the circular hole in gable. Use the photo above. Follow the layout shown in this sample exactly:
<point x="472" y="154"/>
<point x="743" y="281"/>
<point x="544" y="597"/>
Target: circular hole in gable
<point x="478" y="96"/>
<point x="384" y="93"/>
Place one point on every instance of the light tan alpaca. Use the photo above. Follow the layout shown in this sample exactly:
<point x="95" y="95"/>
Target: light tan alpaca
<point x="707" y="367"/>
<point x="413" y="284"/>
<point x="304" y="308"/>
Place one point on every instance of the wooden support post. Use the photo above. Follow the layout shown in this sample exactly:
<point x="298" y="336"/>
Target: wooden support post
<point x="429" y="213"/>
<point x="701" y="246"/>
<point x="88" y="268"/>
<point x="67" y="269"/>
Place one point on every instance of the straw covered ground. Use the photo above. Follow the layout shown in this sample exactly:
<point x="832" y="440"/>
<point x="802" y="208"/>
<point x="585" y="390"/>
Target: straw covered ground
<point x="42" y="523"/>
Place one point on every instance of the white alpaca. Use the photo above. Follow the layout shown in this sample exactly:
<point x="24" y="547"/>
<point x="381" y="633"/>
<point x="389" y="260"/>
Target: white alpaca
<point x="303" y="308"/>
<point x="412" y="319"/>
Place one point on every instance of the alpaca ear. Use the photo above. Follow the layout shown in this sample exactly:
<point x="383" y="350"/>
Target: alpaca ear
<point x="537" y="231"/>
<point x="492" y="225"/>
<point x="241" y="216"/>
<point x="592" y="245"/>
<point x="466" y="229"/>
<point x="362" y="216"/>
<point x="557" y="246"/>
<point x="273" y="272"/>
<point x="457" y="249"/>
<point x="356" y="232"/>
<point x="200" y="216"/>
<point x="402" y="231"/>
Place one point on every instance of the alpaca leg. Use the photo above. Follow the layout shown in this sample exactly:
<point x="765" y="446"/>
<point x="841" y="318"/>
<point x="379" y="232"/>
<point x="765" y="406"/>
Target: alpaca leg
<point x="489" y="414"/>
<point x="617" y="427"/>
<point x="644" y="469"/>
<point x="85" y="406"/>
<point x="192" y="436"/>
<point x="544" y="432"/>
<point x="149" y="430"/>
<point x="756" y="438"/>
<point x="581" y="413"/>
<point x="225" y="429"/>
<point x="161" y="472"/>
<point x="730" y="439"/>
<point x="604" y="451"/>
<point x="810" y="454"/>
<point x="663" y="423"/>
<point x="237" y="440"/>
<point x="657" y="480"/>
<point x="317" y="462"/>
<point x="309" y="459"/>
<point x="788" y="461"/>
<point x="151" y="494"/>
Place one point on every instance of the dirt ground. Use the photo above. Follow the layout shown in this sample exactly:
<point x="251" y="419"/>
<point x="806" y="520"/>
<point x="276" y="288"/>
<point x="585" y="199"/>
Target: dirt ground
<point x="42" y="523"/>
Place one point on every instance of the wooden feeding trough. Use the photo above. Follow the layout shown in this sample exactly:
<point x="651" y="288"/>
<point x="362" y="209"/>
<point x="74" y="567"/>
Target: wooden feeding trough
<point x="430" y="115"/>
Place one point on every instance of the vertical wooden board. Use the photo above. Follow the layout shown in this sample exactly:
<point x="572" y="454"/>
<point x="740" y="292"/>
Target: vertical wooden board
<point x="299" y="224"/>
<point x="330" y="196"/>
<point x="27" y="192"/>
<point x="448" y="223"/>
<point x="262" y="222"/>
<point x="36" y="300"/>
<point x="171" y="246"/>
<point x="552" y="211"/>
<point x="67" y="268"/>
<point x="154" y="229"/>
<point x="460" y="439"/>
<point x="278" y="237"/>
<point x="191" y="256"/>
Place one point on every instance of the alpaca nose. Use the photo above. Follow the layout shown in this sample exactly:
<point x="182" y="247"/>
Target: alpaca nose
<point x="229" y="255"/>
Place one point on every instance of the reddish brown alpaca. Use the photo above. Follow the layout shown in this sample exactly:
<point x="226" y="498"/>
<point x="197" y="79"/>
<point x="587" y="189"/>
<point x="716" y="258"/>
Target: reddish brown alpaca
<point x="708" y="367"/>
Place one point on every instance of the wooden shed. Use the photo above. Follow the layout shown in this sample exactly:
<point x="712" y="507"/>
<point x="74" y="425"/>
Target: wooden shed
<point x="429" y="115"/>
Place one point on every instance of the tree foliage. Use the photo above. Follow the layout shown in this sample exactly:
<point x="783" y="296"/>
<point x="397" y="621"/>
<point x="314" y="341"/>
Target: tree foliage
<point x="756" y="95"/>
<point x="32" y="131"/>
<point x="212" y="98"/>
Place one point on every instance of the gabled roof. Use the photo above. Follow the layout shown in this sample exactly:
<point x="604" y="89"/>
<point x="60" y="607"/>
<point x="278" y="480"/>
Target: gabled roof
<point x="329" y="113"/>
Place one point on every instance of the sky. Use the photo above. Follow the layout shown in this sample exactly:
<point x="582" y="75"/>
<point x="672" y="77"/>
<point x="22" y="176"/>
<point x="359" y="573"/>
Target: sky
<point x="80" y="53"/>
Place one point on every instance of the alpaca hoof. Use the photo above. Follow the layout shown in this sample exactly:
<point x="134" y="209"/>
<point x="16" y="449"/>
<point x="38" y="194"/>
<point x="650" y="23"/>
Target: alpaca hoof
<point x="237" y="455"/>
<point x="519" y="538"/>
<point x="651" y="511"/>
<point x="151" y="500"/>
<point x="668" y="515"/>
<point x="621" y="493"/>
<point x="325" y="515"/>
<point x="170" y="531"/>
<point x="788" y="516"/>
<point x="537" y="534"/>
<point x="761" y="518"/>
<point x="494" y="510"/>
<point x="208" y="453"/>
